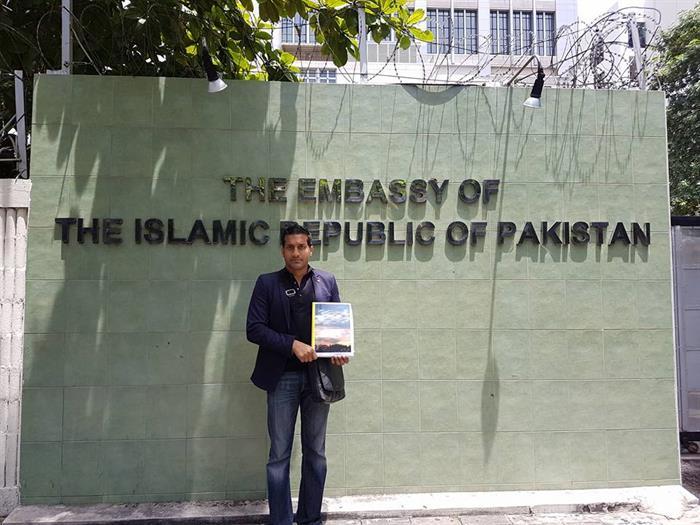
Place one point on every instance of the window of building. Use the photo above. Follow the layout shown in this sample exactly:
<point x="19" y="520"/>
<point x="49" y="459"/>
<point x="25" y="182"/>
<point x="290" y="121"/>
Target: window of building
<point x="642" y="28"/>
<point x="500" y="31"/>
<point x="297" y="31"/>
<point x="439" y="25"/>
<point x="465" y="32"/>
<point x="522" y="33"/>
<point x="634" y="72"/>
<point x="391" y="37"/>
<point x="318" y="75"/>
<point x="546" y="34"/>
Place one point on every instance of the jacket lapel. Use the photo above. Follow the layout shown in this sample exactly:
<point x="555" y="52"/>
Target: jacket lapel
<point x="319" y="289"/>
<point x="281" y="287"/>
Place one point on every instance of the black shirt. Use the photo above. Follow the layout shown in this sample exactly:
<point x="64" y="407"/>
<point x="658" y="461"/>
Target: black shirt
<point x="300" y="299"/>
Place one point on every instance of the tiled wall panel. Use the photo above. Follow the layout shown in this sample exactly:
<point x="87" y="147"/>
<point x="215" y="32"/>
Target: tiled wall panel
<point x="479" y="367"/>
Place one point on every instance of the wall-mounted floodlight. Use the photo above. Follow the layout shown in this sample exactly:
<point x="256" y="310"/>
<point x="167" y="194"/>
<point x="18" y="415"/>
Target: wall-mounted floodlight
<point x="535" y="99"/>
<point x="215" y="82"/>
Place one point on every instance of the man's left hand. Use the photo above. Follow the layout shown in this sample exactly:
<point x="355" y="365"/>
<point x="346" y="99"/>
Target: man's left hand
<point x="340" y="361"/>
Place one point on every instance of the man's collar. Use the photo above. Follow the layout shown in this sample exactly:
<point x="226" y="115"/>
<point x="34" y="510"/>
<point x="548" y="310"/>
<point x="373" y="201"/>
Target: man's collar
<point x="309" y="272"/>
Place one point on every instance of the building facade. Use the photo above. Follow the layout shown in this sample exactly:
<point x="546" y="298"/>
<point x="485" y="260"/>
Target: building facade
<point x="475" y="41"/>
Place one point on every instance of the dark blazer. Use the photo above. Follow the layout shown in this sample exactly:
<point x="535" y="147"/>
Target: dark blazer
<point x="269" y="322"/>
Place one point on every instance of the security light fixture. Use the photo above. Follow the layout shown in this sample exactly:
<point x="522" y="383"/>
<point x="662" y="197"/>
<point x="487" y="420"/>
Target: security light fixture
<point x="215" y="82"/>
<point x="534" y="100"/>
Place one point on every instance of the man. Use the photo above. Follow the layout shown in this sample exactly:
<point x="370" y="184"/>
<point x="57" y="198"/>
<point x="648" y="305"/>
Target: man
<point x="279" y="321"/>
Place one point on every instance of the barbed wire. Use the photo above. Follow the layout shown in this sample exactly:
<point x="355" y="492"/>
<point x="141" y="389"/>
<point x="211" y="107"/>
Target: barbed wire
<point x="597" y="54"/>
<point x="602" y="54"/>
<point x="584" y="55"/>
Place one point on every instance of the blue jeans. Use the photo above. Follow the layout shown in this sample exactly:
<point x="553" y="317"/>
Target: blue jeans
<point x="283" y="403"/>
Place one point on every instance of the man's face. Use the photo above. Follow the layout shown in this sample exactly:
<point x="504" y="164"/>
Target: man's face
<point x="296" y="252"/>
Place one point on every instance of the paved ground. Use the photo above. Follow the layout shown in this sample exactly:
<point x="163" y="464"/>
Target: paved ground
<point x="690" y="469"/>
<point x="690" y="472"/>
<point x="611" y="518"/>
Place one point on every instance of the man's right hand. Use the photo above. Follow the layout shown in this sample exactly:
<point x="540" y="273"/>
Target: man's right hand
<point x="304" y="352"/>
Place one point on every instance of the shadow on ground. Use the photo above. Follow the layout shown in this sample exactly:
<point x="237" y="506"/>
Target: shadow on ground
<point x="690" y="473"/>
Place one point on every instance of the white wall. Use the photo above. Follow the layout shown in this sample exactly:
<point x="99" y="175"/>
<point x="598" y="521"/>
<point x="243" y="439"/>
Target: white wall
<point x="14" y="208"/>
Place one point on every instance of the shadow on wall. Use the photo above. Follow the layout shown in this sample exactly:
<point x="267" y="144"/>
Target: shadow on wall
<point x="153" y="400"/>
<point x="156" y="400"/>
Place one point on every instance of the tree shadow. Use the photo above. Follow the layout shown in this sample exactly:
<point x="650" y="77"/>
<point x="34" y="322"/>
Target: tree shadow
<point x="164" y="408"/>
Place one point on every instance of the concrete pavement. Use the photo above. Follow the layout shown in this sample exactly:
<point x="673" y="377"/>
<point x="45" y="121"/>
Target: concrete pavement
<point x="631" y="506"/>
<point x="691" y="517"/>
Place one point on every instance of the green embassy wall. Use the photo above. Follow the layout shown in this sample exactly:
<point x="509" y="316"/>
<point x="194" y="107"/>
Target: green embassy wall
<point x="478" y="367"/>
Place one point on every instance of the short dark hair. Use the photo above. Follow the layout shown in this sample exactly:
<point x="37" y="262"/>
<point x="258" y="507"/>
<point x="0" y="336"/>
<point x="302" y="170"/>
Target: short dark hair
<point x="295" y="229"/>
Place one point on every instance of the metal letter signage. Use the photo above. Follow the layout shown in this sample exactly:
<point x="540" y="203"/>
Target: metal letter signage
<point x="323" y="194"/>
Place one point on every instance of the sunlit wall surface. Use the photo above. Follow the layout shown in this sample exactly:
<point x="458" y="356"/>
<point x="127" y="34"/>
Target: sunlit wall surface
<point x="532" y="363"/>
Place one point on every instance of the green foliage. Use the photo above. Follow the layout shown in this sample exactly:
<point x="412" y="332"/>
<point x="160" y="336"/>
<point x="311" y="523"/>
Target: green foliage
<point x="679" y="76"/>
<point x="164" y="37"/>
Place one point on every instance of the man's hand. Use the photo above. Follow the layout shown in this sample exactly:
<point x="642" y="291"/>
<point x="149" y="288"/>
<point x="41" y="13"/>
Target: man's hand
<point x="304" y="352"/>
<point x="340" y="361"/>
